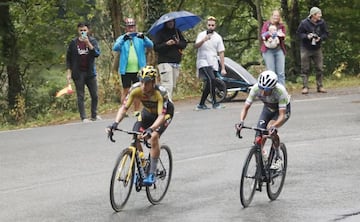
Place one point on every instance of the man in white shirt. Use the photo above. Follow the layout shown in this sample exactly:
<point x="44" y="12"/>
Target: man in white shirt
<point x="209" y="46"/>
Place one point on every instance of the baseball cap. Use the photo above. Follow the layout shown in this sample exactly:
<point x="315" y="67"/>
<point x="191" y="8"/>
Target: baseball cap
<point x="314" y="10"/>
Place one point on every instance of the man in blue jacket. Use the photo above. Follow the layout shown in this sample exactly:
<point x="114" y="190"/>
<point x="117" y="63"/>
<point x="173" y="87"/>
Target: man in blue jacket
<point x="312" y="31"/>
<point x="131" y="46"/>
<point x="80" y="65"/>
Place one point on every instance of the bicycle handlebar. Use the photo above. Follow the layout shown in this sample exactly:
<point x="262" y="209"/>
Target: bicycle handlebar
<point x="261" y="130"/>
<point x="111" y="134"/>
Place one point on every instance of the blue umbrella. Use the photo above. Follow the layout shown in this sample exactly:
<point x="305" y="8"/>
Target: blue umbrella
<point x="184" y="20"/>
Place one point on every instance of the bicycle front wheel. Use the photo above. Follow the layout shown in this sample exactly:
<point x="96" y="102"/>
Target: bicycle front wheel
<point x="248" y="178"/>
<point x="157" y="191"/>
<point x="122" y="180"/>
<point x="277" y="177"/>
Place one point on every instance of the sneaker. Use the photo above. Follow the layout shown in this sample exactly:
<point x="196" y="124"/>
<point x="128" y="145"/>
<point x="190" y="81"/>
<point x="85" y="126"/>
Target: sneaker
<point x="305" y="90"/>
<point x="277" y="164"/>
<point x="96" y="118"/>
<point x="218" y="106"/>
<point x="86" y="120"/>
<point x="201" y="107"/>
<point x="321" y="90"/>
<point x="149" y="180"/>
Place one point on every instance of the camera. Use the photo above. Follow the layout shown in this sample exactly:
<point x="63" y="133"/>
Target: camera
<point x="314" y="37"/>
<point x="209" y="31"/>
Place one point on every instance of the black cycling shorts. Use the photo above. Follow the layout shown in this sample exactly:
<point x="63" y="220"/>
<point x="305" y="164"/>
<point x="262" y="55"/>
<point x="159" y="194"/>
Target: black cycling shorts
<point x="146" y="119"/>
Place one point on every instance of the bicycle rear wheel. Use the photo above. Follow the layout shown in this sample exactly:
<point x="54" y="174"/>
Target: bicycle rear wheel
<point x="220" y="91"/>
<point x="121" y="180"/>
<point x="248" y="178"/>
<point x="277" y="177"/>
<point x="157" y="191"/>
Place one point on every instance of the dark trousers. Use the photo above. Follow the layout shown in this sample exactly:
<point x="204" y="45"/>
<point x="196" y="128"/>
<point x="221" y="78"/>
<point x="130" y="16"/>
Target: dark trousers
<point x="306" y="57"/>
<point x="208" y="76"/>
<point x="91" y="84"/>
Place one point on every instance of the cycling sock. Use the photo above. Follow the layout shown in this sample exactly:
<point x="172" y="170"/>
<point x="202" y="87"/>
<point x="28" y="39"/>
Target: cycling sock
<point x="153" y="164"/>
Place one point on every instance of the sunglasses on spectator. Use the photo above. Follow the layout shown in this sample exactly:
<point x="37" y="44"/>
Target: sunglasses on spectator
<point x="211" y="25"/>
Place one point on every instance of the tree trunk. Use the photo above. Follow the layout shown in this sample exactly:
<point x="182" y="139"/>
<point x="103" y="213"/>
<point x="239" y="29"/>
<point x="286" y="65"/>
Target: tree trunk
<point x="10" y="53"/>
<point x="292" y="18"/>
<point x="117" y="20"/>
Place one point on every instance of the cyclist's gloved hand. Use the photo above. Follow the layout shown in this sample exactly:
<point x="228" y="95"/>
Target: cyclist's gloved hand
<point x="147" y="133"/>
<point x="110" y="130"/>
<point x="126" y="37"/>
<point x="272" y="130"/>
<point x="238" y="128"/>
<point x="112" y="127"/>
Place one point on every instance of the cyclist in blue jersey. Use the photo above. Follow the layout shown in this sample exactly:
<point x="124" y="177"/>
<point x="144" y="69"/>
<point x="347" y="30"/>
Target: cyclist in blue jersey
<point x="276" y="110"/>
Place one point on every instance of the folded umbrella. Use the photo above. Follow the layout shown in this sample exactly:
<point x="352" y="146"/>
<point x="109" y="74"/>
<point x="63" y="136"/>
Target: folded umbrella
<point x="184" y="20"/>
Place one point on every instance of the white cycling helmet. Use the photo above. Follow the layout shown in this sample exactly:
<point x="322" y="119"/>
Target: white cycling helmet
<point x="267" y="79"/>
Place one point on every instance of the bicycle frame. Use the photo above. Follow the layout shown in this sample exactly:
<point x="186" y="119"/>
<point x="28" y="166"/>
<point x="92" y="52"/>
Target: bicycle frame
<point x="233" y="85"/>
<point x="134" y="155"/>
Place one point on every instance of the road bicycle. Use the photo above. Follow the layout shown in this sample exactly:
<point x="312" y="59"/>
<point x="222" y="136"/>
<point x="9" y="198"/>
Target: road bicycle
<point x="257" y="167"/>
<point x="131" y="169"/>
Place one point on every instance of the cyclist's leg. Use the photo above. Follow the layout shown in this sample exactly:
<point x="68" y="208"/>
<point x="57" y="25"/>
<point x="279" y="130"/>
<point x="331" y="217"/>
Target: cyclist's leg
<point x="155" y="137"/>
<point x="147" y="120"/>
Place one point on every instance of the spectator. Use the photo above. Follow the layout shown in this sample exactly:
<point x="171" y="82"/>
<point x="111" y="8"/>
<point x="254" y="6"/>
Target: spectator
<point x="312" y="31"/>
<point x="209" y="46"/>
<point x="169" y="44"/>
<point x="80" y="65"/>
<point x="131" y="46"/>
<point x="273" y="46"/>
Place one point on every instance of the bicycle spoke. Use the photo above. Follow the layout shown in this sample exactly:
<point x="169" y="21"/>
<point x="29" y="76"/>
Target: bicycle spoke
<point x="121" y="181"/>
<point x="157" y="191"/>
<point x="277" y="177"/>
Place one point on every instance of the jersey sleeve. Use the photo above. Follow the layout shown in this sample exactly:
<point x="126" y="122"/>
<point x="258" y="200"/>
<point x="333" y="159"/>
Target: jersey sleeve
<point x="161" y="106"/>
<point x="130" y="96"/>
<point x="252" y="94"/>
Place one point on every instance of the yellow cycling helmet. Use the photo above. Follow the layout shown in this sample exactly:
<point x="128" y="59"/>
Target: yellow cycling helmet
<point x="147" y="73"/>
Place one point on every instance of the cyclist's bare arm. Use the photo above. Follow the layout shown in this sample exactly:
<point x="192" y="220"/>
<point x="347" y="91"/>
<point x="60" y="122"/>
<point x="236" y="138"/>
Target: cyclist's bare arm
<point x="124" y="107"/>
<point x="121" y="114"/>
<point x="244" y="111"/>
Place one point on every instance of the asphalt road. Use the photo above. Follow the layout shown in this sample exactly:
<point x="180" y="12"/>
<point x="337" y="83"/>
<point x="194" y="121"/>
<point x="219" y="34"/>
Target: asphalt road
<point x="62" y="173"/>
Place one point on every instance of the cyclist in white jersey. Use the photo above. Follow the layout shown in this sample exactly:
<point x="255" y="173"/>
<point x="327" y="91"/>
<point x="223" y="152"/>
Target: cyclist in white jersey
<point x="276" y="110"/>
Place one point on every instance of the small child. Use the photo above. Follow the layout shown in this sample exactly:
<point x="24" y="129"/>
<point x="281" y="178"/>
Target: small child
<point x="270" y="38"/>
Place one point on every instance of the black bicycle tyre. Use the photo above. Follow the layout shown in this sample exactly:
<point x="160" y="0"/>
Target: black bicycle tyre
<point x="220" y="91"/>
<point x="274" y="194"/>
<point x="118" y="206"/>
<point x="157" y="191"/>
<point x="230" y="95"/>
<point x="250" y="159"/>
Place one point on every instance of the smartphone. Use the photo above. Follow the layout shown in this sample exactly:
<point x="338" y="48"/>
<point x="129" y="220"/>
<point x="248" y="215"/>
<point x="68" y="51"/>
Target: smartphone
<point x="83" y="35"/>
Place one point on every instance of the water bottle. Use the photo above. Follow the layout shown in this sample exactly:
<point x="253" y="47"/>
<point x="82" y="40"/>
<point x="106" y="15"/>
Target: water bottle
<point x="142" y="158"/>
<point x="264" y="155"/>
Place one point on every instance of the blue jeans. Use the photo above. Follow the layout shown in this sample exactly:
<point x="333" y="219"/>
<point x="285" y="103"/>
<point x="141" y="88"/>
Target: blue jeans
<point x="275" y="61"/>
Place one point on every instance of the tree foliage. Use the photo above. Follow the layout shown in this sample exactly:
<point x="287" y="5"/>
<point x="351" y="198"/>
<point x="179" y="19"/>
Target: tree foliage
<point x="34" y="35"/>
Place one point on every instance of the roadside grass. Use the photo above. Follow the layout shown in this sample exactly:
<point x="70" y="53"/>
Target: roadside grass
<point x="61" y="117"/>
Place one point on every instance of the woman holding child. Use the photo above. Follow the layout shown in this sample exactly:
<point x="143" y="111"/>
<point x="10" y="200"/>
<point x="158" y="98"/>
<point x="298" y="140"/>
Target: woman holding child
<point x="273" y="45"/>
